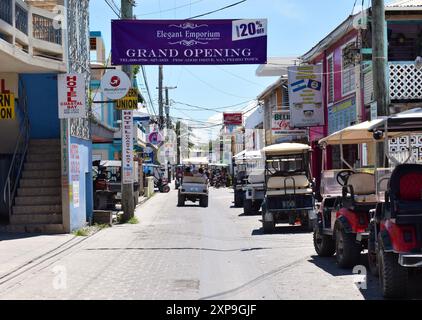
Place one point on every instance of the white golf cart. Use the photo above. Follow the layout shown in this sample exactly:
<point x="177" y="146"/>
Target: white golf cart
<point x="252" y="184"/>
<point x="194" y="185"/>
<point x="289" y="195"/>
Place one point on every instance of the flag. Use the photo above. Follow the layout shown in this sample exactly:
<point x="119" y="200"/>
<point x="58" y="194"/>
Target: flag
<point x="298" y="85"/>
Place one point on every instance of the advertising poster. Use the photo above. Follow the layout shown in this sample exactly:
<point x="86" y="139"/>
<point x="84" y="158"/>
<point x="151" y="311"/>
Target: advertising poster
<point x="341" y="115"/>
<point x="305" y="95"/>
<point x="193" y="42"/>
<point x="71" y="95"/>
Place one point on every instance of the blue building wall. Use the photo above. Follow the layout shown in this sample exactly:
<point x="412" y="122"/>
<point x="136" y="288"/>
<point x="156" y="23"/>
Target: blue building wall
<point x="41" y="90"/>
<point x="81" y="177"/>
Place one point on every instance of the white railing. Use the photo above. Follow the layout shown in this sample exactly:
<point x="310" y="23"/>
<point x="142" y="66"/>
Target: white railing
<point x="405" y="81"/>
<point x="31" y="29"/>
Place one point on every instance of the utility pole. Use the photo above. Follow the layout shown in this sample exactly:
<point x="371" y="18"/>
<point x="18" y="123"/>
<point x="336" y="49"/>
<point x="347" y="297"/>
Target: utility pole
<point x="128" y="205"/>
<point x="379" y="67"/>
<point x="160" y="97"/>
<point x="168" y="120"/>
<point x="379" y="57"/>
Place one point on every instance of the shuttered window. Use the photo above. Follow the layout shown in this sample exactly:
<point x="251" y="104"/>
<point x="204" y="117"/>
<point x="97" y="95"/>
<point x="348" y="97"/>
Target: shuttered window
<point x="330" y="86"/>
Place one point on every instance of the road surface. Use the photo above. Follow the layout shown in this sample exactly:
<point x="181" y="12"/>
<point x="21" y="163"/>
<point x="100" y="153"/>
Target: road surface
<point x="188" y="253"/>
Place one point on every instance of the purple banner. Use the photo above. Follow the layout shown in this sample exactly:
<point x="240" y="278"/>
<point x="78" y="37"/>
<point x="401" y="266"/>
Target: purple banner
<point x="193" y="42"/>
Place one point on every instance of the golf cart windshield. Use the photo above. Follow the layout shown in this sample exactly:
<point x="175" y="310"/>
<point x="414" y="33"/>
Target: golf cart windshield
<point x="287" y="165"/>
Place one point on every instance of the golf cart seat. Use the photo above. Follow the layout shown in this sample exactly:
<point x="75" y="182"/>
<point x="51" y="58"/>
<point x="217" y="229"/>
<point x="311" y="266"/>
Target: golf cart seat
<point x="359" y="191"/>
<point x="297" y="184"/>
<point x="193" y="179"/>
<point x="404" y="197"/>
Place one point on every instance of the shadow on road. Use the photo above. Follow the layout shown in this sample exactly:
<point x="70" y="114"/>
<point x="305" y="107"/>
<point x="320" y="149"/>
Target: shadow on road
<point x="281" y="230"/>
<point x="13" y="235"/>
<point x="329" y="265"/>
<point x="249" y="215"/>
<point x="180" y="248"/>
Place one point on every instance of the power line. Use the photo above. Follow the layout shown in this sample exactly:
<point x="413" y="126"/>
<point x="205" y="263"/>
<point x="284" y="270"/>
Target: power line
<point x="237" y="76"/>
<point x="113" y="7"/>
<point x="212" y="108"/>
<point x="170" y="9"/>
<point x="212" y="86"/>
<point x="148" y="91"/>
<point x="221" y="9"/>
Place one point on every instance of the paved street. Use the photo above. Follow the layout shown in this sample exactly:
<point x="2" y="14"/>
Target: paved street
<point x="186" y="253"/>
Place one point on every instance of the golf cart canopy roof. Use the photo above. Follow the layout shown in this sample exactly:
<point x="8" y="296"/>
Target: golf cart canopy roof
<point x="110" y="163"/>
<point x="397" y="125"/>
<point x="358" y="133"/>
<point x="219" y="164"/>
<point x="286" y="149"/>
<point x="248" y="155"/>
<point x="404" y="122"/>
<point x="197" y="160"/>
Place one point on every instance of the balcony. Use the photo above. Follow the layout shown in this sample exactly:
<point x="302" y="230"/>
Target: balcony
<point x="29" y="41"/>
<point x="405" y="82"/>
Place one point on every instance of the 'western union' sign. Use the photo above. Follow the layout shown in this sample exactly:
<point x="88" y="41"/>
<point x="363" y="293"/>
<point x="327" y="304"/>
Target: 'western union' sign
<point x="7" y="106"/>
<point x="128" y="102"/>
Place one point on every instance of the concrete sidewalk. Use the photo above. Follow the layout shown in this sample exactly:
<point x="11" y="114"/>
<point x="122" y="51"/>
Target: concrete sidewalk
<point x="17" y="250"/>
<point x="20" y="249"/>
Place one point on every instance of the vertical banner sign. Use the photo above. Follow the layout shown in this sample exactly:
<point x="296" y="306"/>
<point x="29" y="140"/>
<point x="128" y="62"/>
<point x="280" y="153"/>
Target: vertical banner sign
<point x="71" y="95"/>
<point x="305" y="95"/>
<point x="127" y="149"/>
<point x="192" y="42"/>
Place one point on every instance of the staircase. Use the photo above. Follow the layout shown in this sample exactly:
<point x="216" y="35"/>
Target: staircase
<point x="38" y="206"/>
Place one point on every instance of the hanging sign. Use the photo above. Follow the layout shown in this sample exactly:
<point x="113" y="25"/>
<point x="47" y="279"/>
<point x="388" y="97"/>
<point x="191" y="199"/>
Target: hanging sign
<point x="193" y="42"/>
<point x="127" y="146"/>
<point x="129" y="101"/>
<point x="7" y="106"/>
<point x="115" y="84"/>
<point x="71" y="95"/>
<point x="235" y="118"/>
<point x="305" y="95"/>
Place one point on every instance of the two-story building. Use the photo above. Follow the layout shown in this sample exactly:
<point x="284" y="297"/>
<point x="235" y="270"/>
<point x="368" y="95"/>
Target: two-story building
<point x="45" y="171"/>
<point x="345" y="55"/>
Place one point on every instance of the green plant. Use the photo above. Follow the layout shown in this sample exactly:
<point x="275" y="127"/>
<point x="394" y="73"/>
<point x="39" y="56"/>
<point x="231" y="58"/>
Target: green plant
<point x="83" y="232"/>
<point x="133" y="220"/>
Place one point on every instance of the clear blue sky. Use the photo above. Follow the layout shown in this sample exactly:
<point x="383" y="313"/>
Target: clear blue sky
<point x="295" y="26"/>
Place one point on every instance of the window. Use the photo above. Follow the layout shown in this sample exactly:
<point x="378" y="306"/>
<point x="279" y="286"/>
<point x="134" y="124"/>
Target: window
<point x="330" y="80"/>
<point x="348" y="68"/>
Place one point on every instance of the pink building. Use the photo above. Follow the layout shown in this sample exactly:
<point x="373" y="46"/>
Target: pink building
<point x="346" y="57"/>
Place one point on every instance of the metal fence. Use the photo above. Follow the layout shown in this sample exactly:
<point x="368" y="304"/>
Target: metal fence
<point x="44" y="29"/>
<point x="21" y="18"/>
<point x="6" y="11"/>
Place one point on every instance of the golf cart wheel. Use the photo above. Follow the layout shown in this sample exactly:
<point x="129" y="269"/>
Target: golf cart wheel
<point x="256" y="205"/>
<point x="372" y="252"/>
<point x="393" y="277"/>
<point x="166" y="189"/>
<point x="247" y="206"/>
<point x="181" y="200"/>
<point x="203" y="202"/>
<point x="324" y="244"/>
<point x="238" y="199"/>
<point x="268" y="226"/>
<point x="347" y="249"/>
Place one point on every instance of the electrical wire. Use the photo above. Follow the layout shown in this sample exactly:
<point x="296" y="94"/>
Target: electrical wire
<point x="217" y="10"/>
<point x="239" y="77"/>
<point x="170" y="9"/>
<point x="212" y="86"/>
<point x="212" y="108"/>
<point x="112" y="7"/>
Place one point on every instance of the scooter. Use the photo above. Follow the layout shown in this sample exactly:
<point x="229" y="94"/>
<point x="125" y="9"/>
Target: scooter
<point x="163" y="185"/>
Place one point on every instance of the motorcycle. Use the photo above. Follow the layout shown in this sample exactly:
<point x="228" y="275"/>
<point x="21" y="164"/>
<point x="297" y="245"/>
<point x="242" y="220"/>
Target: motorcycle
<point x="163" y="185"/>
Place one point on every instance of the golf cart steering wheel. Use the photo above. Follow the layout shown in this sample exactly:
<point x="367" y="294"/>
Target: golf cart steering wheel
<point x="343" y="175"/>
